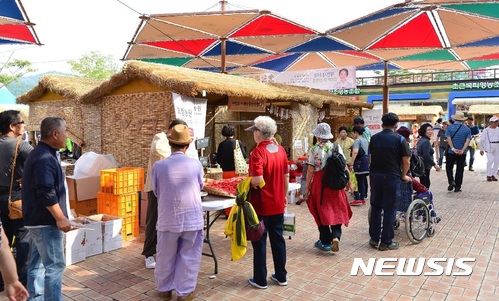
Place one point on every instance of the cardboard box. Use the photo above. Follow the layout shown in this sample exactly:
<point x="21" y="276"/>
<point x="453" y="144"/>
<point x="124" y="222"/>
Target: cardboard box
<point x="85" y="208"/>
<point x="80" y="189"/>
<point x="289" y="226"/>
<point x="74" y="246"/>
<point x="111" y="231"/>
<point x="93" y="236"/>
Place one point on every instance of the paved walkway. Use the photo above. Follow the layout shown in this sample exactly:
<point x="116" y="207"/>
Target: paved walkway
<point x="469" y="229"/>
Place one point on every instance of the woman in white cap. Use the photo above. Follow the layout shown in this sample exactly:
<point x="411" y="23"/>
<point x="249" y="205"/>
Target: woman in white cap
<point x="329" y="207"/>
<point x="489" y="143"/>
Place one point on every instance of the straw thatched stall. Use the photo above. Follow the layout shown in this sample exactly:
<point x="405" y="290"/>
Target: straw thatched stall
<point x="137" y="102"/>
<point x="58" y="95"/>
<point x="418" y="113"/>
<point x="483" y="110"/>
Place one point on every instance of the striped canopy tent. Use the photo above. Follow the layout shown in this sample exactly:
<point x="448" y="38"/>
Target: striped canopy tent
<point x="15" y="26"/>
<point x="427" y="35"/>
<point x="219" y="41"/>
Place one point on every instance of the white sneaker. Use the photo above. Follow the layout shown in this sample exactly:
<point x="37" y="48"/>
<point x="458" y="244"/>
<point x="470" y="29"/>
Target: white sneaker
<point x="150" y="262"/>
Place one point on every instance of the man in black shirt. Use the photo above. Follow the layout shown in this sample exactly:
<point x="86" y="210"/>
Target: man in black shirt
<point x="390" y="160"/>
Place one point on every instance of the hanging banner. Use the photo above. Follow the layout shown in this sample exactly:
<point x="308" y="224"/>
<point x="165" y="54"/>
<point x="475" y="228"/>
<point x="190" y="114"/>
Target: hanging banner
<point x="193" y="112"/>
<point x="324" y="79"/>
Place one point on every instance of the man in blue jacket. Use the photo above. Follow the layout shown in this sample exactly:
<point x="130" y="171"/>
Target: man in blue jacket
<point x="45" y="212"/>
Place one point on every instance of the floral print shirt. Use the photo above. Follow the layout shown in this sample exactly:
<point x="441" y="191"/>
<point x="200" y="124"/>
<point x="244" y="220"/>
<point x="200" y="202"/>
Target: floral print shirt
<point x="318" y="154"/>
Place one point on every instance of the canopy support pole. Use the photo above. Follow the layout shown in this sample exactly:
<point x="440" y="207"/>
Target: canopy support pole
<point x="223" y="50"/>
<point x="385" y="89"/>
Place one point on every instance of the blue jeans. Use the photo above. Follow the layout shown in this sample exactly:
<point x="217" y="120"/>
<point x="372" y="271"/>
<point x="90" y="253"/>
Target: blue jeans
<point x="46" y="264"/>
<point x="441" y="150"/>
<point x="384" y="189"/>
<point x="471" y="151"/>
<point x="273" y="227"/>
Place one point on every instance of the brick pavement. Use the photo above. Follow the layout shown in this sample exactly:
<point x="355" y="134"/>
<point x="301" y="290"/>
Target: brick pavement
<point x="469" y="229"/>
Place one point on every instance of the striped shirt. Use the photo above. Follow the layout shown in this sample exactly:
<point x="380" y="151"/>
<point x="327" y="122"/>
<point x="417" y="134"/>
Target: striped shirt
<point x="460" y="133"/>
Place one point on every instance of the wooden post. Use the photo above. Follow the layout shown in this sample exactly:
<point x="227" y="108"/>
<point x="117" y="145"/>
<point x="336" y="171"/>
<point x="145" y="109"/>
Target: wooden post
<point x="385" y="89"/>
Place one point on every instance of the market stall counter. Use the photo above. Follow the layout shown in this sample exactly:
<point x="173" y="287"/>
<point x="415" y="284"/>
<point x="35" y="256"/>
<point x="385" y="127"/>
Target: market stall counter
<point x="214" y="207"/>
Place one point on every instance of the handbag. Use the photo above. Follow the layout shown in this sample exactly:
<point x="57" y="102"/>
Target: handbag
<point x="254" y="232"/>
<point x="473" y="143"/>
<point x="239" y="161"/>
<point x="446" y="150"/>
<point x="16" y="206"/>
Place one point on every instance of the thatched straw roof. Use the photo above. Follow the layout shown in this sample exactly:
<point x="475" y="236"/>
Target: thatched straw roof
<point x="70" y="87"/>
<point x="483" y="109"/>
<point x="417" y="110"/>
<point x="192" y="82"/>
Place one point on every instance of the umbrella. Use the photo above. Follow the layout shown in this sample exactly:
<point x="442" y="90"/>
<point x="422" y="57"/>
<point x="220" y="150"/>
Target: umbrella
<point x="431" y="34"/>
<point x="221" y="40"/>
<point x="15" y="27"/>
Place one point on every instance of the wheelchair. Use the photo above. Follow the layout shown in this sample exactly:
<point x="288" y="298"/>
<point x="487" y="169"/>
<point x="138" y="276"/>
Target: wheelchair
<point x="417" y="211"/>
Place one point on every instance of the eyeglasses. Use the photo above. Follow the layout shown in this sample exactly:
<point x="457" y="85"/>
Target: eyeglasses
<point x="19" y="122"/>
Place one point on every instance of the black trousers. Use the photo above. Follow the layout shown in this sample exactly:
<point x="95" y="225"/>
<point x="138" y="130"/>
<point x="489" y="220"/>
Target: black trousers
<point x="449" y="166"/>
<point x="327" y="233"/>
<point x="151" y="220"/>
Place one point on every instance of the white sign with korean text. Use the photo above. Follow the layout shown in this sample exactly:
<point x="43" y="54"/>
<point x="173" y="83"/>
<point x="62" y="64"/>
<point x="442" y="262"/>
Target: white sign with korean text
<point x="372" y="118"/>
<point x="193" y="111"/>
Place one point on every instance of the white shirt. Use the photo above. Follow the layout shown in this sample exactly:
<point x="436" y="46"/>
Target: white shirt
<point x="489" y="138"/>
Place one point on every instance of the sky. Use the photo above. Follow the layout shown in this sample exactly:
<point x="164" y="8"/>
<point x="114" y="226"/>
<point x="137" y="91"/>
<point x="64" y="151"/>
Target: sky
<point x="68" y="29"/>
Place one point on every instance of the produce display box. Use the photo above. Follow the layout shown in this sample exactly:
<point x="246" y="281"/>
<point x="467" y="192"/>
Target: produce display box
<point x="112" y="233"/>
<point x="122" y="180"/>
<point x="120" y="205"/>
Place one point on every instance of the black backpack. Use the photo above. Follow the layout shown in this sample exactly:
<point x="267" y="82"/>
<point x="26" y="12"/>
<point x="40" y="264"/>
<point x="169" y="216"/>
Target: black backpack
<point x="417" y="164"/>
<point x="335" y="175"/>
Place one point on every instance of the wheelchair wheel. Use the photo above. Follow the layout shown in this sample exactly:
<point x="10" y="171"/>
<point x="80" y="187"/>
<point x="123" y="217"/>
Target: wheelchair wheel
<point x="417" y="223"/>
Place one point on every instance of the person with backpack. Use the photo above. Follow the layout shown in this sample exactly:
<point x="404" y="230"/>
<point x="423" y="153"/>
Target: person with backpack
<point x="329" y="207"/>
<point x="360" y="165"/>
<point x="390" y="160"/>
<point x="425" y="150"/>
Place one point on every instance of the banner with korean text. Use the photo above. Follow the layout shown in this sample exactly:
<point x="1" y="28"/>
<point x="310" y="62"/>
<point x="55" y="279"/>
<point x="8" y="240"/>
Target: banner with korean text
<point x="193" y="112"/>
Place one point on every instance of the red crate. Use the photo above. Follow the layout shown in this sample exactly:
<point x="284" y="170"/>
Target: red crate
<point x="122" y="180"/>
<point x="120" y="205"/>
<point x="130" y="227"/>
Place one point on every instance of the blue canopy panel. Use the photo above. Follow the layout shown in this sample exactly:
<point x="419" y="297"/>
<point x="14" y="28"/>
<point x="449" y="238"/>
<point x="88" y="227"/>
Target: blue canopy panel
<point x="486" y="42"/>
<point x="320" y="44"/>
<point x="233" y="48"/>
<point x="5" y="41"/>
<point x="10" y="9"/>
<point x="6" y="97"/>
<point x="378" y="66"/>
<point x="376" y="16"/>
<point x="279" y="64"/>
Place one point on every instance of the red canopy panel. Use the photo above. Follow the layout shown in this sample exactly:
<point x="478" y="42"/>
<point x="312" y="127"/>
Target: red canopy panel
<point x="16" y="32"/>
<point x="419" y="32"/>
<point x="192" y="47"/>
<point x="267" y="25"/>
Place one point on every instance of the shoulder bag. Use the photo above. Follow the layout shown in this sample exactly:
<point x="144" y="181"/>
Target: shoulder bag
<point x="446" y="150"/>
<point x="239" y="161"/>
<point x="254" y="231"/>
<point x="16" y="206"/>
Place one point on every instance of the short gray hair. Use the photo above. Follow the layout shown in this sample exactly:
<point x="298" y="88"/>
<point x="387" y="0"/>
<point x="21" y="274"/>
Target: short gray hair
<point x="266" y="126"/>
<point x="50" y="124"/>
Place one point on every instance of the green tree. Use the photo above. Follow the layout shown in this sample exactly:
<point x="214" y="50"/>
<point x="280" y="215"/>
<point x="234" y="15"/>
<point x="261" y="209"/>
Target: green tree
<point x="94" y="65"/>
<point x="13" y="70"/>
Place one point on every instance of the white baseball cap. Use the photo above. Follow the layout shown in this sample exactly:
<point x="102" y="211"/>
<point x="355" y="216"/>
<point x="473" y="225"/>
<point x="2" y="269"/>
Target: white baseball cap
<point x="493" y="119"/>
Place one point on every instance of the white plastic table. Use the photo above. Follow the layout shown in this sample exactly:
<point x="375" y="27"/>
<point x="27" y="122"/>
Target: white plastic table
<point x="218" y="204"/>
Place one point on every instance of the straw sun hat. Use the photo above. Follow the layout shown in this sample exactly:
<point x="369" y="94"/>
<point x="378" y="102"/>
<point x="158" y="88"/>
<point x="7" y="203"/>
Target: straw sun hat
<point x="180" y="135"/>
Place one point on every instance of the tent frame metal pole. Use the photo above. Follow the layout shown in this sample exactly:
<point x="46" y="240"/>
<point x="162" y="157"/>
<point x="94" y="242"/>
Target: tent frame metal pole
<point x="385" y="89"/>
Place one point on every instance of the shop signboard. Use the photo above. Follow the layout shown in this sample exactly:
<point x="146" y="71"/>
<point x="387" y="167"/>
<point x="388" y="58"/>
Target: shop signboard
<point x="337" y="111"/>
<point x="476" y="85"/>
<point x="246" y="104"/>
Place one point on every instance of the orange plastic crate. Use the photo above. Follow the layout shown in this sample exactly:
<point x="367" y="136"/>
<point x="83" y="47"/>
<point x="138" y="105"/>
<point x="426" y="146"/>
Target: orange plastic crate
<point x="122" y="180"/>
<point x="130" y="227"/>
<point x="120" y="205"/>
